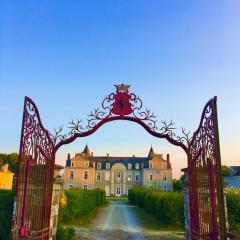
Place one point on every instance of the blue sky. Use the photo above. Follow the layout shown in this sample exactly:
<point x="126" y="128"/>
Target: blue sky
<point x="67" y="55"/>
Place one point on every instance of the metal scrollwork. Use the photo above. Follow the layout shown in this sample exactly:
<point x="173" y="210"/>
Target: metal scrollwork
<point x="34" y="134"/>
<point x="34" y="177"/>
<point x="121" y="105"/>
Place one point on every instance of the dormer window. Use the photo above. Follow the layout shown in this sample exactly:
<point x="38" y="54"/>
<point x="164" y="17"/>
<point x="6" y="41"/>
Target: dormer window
<point x="72" y="164"/>
<point x="137" y="166"/>
<point x="99" y="165"/>
<point x="129" y="166"/>
<point x="107" y="165"/>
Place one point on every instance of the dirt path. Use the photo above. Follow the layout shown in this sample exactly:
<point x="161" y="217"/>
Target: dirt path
<point x="120" y="220"/>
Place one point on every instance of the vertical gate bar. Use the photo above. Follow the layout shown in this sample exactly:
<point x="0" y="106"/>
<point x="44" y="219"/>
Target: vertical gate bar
<point x="25" y="193"/>
<point x="212" y="199"/>
<point x="221" y="205"/>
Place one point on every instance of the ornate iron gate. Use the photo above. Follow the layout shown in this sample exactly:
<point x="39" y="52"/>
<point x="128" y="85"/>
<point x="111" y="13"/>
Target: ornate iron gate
<point x="34" y="183"/>
<point x="32" y="208"/>
<point x="207" y="209"/>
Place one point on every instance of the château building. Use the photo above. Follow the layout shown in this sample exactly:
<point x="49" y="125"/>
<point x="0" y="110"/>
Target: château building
<point x="6" y="177"/>
<point x="116" y="175"/>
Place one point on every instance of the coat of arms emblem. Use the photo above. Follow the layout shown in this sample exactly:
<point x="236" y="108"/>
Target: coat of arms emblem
<point x="122" y="105"/>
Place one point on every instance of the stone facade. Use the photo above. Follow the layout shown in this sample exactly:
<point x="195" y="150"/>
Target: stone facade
<point x="116" y="175"/>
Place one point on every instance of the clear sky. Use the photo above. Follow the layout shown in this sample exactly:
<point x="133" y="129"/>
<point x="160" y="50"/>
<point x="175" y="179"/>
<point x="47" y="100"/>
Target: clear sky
<point x="67" y="55"/>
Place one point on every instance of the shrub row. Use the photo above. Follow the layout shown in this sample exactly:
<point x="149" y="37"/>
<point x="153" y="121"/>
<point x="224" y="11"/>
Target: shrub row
<point x="233" y="209"/>
<point x="79" y="203"/>
<point x="6" y="210"/>
<point x="166" y="206"/>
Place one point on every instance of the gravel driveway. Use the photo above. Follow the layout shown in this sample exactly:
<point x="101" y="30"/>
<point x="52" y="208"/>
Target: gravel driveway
<point x="120" y="220"/>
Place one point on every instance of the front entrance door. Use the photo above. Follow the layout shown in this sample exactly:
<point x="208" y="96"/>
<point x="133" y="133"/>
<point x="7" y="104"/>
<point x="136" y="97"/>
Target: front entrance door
<point x="118" y="191"/>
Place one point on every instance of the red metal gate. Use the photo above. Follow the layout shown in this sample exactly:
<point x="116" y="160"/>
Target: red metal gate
<point x="34" y="183"/>
<point x="37" y="158"/>
<point x="207" y="209"/>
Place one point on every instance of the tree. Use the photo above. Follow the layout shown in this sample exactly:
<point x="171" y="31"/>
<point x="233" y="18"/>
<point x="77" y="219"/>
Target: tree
<point x="11" y="159"/>
<point x="225" y="171"/>
<point x="177" y="186"/>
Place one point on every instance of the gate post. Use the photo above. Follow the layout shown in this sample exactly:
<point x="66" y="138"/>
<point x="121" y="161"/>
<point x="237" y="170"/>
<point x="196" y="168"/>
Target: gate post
<point x="185" y="184"/>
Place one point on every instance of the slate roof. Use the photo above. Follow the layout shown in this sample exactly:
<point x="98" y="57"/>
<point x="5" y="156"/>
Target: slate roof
<point x="234" y="171"/>
<point x="143" y="161"/>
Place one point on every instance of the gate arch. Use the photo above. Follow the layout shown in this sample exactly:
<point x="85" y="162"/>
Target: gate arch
<point x="37" y="159"/>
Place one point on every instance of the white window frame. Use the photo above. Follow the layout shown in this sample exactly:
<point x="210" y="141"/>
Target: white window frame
<point x="129" y="166"/>
<point x="108" y="165"/>
<point x="137" y="166"/>
<point x="98" y="176"/>
<point x="129" y="177"/>
<point x="118" y="190"/>
<point x="85" y="176"/>
<point x="99" y="165"/>
<point x="150" y="177"/>
<point x="150" y="165"/>
<point x="118" y="178"/>
<point x="137" y="177"/>
<point x="70" y="186"/>
<point x="85" y="187"/>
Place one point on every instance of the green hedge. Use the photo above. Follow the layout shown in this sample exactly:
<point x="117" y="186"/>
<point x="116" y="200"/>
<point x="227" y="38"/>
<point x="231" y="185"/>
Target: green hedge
<point x="65" y="233"/>
<point x="166" y="206"/>
<point x="80" y="203"/>
<point x="233" y="208"/>
<point x="6" y="210"/>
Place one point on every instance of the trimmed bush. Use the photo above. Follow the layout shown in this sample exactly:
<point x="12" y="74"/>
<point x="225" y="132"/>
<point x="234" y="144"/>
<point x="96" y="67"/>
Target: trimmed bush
<point x="233" y="209"/>
<point x="6" y="211"/>
<point x="166" y="206"/>
<point x="65" y="233"/>
<point x="79" y="203"/>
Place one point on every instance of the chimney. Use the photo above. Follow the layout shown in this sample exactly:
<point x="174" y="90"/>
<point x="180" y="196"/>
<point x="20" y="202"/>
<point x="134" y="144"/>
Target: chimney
<point x="134" y="155"/>
<point x="69" y="156"/>
<point x="168" y="157"/>
<point x="92" y="154"/>
<point x="5" y="167"/>
<point x="107" y="155"/>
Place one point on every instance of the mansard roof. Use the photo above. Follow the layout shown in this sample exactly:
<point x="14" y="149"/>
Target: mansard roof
<point x="143" y="161"/>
